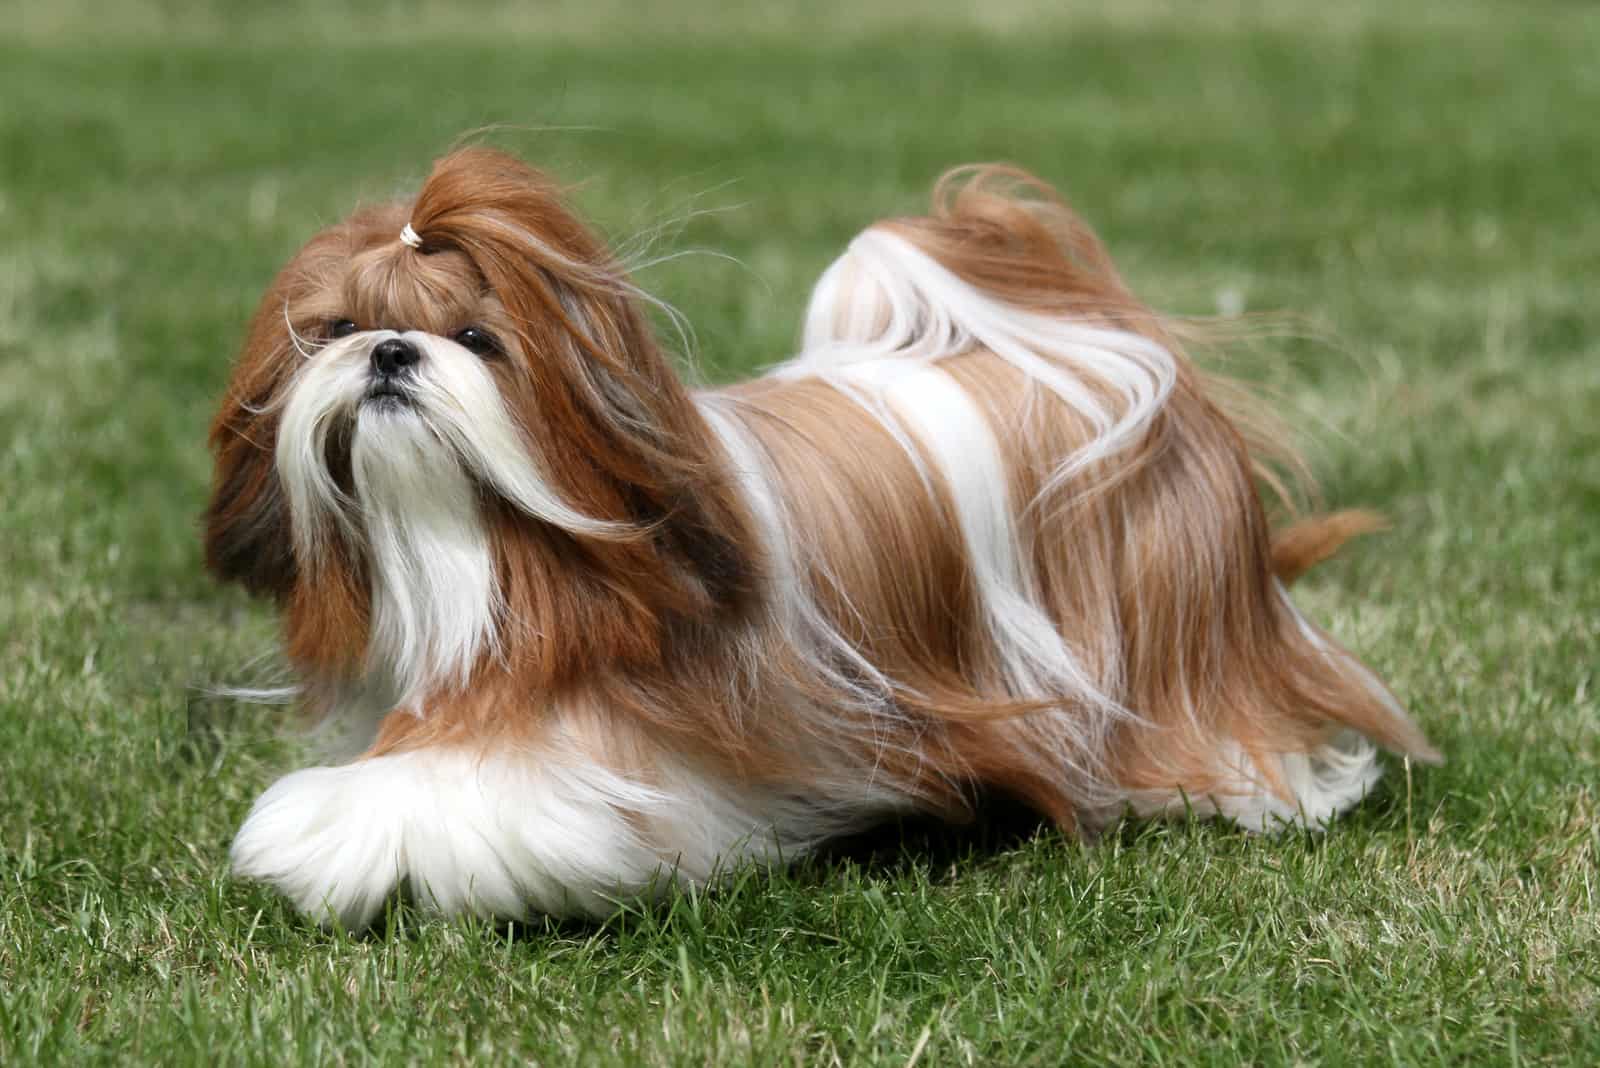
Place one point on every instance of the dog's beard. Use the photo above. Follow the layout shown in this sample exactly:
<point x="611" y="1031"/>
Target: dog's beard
<point x="392" y="473"/>
<point x="430" y="567"/>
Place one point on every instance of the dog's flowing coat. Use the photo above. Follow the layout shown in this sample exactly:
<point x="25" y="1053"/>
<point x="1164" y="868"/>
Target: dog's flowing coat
<point x="593" y="632"/>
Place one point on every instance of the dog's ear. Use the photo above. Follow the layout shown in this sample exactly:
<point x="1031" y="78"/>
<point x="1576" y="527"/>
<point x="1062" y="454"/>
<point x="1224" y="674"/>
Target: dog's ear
<point x="247" y="521"/>
<point x="246" y="524"/>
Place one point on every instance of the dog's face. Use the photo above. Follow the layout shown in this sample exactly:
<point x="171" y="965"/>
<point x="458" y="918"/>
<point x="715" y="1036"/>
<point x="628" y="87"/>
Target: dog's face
<point x="460" y="396"/>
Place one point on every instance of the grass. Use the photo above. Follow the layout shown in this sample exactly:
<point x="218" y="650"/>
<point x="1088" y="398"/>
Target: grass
<point x="1418" y="181"/>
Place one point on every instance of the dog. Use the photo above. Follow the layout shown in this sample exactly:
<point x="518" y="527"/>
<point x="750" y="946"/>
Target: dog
<point x="593" y="633"/>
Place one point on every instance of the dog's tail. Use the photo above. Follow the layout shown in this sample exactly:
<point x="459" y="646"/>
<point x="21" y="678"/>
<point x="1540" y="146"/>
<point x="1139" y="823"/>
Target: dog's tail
<point x="1306" y="543"/>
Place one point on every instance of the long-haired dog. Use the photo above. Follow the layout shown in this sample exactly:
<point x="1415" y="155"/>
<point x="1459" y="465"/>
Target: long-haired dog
<point x="594" y="632"/>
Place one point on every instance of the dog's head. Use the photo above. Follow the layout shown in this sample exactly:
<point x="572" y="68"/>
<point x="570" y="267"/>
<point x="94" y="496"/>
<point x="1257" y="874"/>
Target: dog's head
<point x="459" y="399"/>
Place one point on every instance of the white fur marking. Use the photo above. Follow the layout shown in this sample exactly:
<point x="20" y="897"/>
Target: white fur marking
<point x="507" y="833"/>
<point x="887" y="298"/>
<point x="434" y="594"/>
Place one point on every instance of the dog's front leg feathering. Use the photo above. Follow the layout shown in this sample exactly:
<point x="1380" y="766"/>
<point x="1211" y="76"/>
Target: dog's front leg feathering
<point x="560" y="824"/>
<point x="594" y="634"/>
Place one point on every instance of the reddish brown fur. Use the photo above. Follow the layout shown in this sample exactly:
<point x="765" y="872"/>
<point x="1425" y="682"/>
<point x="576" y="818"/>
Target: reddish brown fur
<point x="1304" y="544"/>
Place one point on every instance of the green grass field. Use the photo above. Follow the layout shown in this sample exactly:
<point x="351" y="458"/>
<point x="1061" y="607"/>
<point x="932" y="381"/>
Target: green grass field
<point x="1418" y="182"/>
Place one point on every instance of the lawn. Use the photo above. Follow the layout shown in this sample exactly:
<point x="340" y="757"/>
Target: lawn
<point x="1416" y="182"/>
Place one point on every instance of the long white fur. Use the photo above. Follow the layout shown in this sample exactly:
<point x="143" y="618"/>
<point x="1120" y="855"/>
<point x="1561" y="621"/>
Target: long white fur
<point x="887" y="298"/>
<point x="323" y="394"/>
<point x="956" y="436"/>
<point x="879" y="321"/>
<point x="791" y="603"/>
<point x="434" y="593"/>
<point x="510" y="832"/>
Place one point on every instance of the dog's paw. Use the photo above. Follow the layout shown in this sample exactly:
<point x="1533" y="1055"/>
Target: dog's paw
<point x="464" y="833"/>
<point x="329" y="839"/>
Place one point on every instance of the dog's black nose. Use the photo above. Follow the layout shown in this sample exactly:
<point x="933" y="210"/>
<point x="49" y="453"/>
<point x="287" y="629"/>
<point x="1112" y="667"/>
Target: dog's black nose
<point x="392" y="355"/>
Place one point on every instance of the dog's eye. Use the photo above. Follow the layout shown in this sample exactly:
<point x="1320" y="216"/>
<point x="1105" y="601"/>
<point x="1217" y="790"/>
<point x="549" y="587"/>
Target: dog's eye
<point x="338" y="328"/>
<point x="479" y="341"/>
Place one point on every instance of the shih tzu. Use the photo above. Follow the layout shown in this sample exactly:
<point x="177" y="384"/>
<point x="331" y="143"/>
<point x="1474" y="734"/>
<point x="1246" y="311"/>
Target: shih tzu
<point x="595" y="632"/>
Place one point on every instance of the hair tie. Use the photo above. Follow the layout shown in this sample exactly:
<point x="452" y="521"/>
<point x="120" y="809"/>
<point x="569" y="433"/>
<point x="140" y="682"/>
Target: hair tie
<point x="409" y="236"/>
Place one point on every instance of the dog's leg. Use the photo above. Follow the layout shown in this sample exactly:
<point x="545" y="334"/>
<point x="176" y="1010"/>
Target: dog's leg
<point x="1270" y="791"/>
<point x="507" y="829"/>
<point x="1281" y="730"/>
<point x="486" y="833"/>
